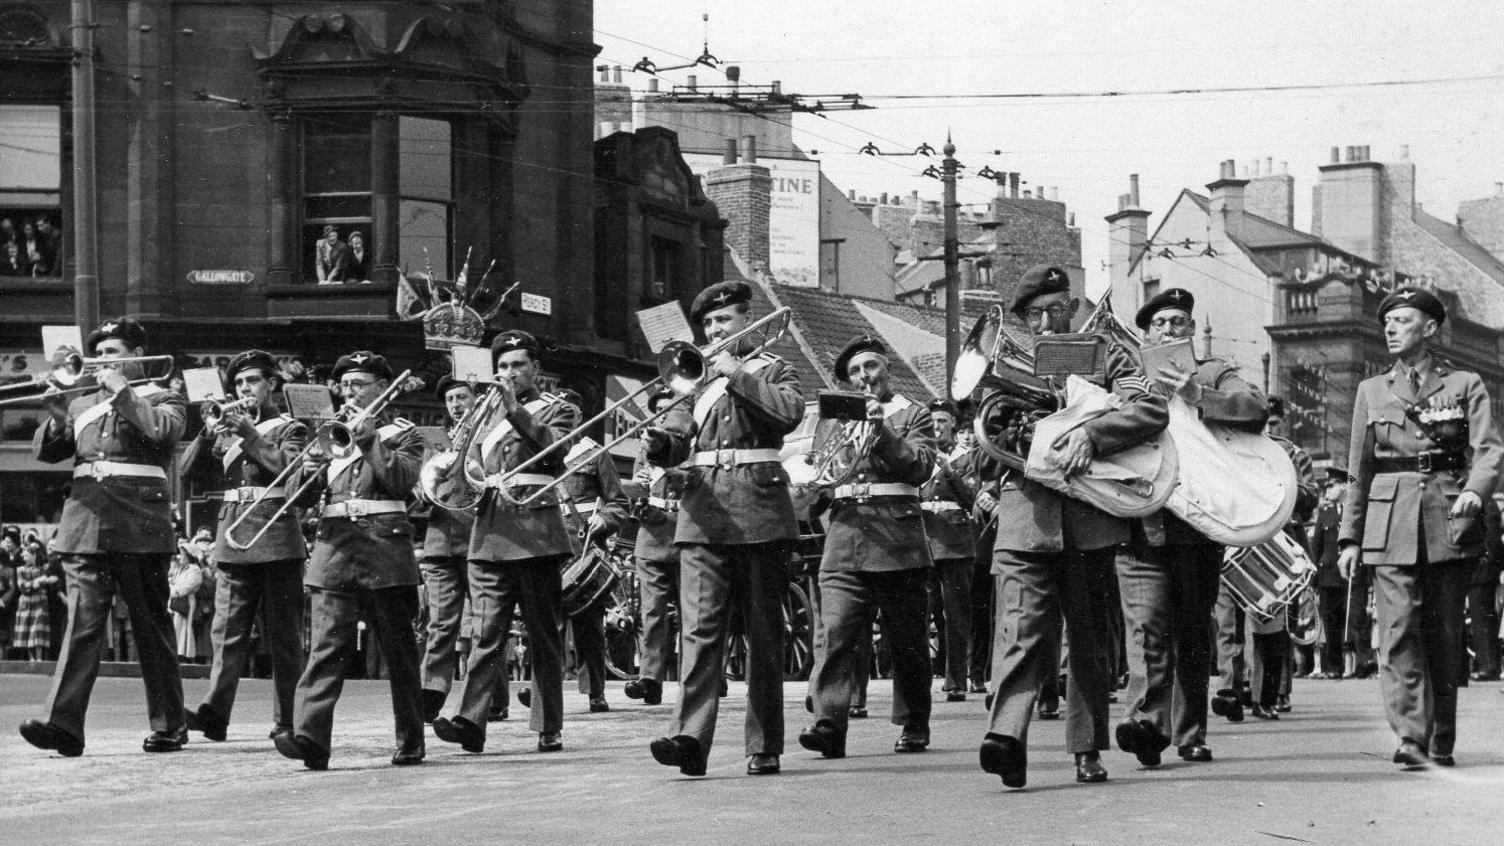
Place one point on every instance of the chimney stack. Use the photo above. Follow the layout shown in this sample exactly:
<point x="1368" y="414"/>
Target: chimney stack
<point x="1226" y="206"/>
<point x="1348" y="206"/>
<point x="751" y="149"/>
<point x="1127" y="238"/>
<point x="743" y="194"/>
<point x="729" y="156"/>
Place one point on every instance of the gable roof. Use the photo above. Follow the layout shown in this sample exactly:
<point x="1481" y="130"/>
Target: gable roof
<point x="1482" y="299"/>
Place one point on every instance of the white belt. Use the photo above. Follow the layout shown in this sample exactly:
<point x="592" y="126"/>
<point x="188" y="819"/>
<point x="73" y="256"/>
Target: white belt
<point x="940" y="505"/>
<point x="585" y="507"/>
<point x="665" y="504"/>
<point x="518" y="480"/>
<point x="364" y="508"/>
<point x="104" y="469"/>
<point x="734" y="457"/>
<point x="863" y="491"/>
<point x="251" y="494"/>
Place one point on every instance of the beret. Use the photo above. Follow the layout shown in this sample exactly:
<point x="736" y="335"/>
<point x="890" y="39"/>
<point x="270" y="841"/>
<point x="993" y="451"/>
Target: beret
<point x="364" y="361"/>
<point x="1427" y="302"/>
<point x="446" y="383"/>
<point x="719" y="295"/>
<point x="1037" y="281"/>
<point x="1176" y="298"/>
<point x="513" y="339"/>
<point x="943" y="405"/>
<point x="123" y="328"/>
<point x="252" y="360"/>
<point x="859" y="344"/>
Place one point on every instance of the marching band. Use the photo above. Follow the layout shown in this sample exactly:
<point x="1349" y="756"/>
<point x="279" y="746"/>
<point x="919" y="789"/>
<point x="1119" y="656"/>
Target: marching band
<point x="1065" y="493"/>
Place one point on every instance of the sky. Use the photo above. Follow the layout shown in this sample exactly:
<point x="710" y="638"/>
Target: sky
<point x="1087" y="146"/>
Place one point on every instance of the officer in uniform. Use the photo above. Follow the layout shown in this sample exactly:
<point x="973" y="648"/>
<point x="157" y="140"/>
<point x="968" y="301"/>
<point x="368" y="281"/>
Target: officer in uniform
<point x="1424" y="457"/>
<point x="446" y="544"/>
<point x="115" y="534"/>
<point x="947" y="500"/>
<point x="517" y="551"/>
<point x="876" y="558"/>
<point x="736" y="527"/>
<point x="362" y="559"/>
<point x="657" y="516"/>
<point x="1169" y="572"/>
<point x="1333" y="592"/>
<point x="248" y="452"/>
<point x="1054" y="556"/>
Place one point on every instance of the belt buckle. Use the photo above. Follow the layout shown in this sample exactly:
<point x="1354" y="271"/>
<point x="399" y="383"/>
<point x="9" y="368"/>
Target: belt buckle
<point x="726" y="458"/>
<point x="861" y="491"/>
<point x="1423" y="462"/>
<point x="98" y="470"/>
<point x="354" y="509"/>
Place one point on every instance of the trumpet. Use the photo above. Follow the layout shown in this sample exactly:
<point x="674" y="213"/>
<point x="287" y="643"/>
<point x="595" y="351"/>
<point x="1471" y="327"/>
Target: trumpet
<point x="334" y="440"/>
<point x="681" y="366"/>
<point x="70" y="369"/>
<point x="214" y="412"/>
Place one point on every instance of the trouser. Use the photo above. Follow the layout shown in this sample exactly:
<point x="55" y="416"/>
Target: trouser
<point x="1272" y="655"/>
<point x="1483" y="629"/>
<point x="1034" y="590"/>
<point x="589" y="628"/>
<point x="497" y="589"/>
<point x="1334" y="611"/>
<point x="276" y="588"/>
<point x="334" y="617"/>
<point x="447" y="582"/>
<point x="1229" y="636"/>
<point x="712" y="576"/>
<point x="1419" y="610"/>
<point x="657" y="590"/>
<point x="1168" y="593"/>
<point x="982" y="594"/>
<point x="93" y="579"/>
<point x="1052" y="686"/>
<point x="849" y="599"/>
<point x="950" y="606"/>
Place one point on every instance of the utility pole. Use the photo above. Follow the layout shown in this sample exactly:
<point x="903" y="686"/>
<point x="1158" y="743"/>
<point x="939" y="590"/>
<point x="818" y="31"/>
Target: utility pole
<point x="85" y="244"/>
<point x="952" y="267"/>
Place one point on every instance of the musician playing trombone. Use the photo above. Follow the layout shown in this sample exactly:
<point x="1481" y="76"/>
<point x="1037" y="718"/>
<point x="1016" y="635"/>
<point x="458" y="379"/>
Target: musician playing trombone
<point x="736" y="527"/>
<point x="1169" y="572"/>
<point x="362" y="558"/>
<point x="1053" y="555"/>
<point x="115" y="534"/>
<point x="876" y="557"/>
<point x="517" y="551"/>
<point x="244" y="449"/>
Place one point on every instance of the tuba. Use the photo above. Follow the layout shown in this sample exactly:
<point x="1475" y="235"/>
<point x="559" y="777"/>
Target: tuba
<point x="443" y="478"/>
<point x="1237" y="488"/>
<point x="1025" y="394"/>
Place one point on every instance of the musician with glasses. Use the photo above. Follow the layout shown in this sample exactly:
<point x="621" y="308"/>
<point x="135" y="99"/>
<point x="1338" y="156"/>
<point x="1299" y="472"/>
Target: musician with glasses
<point x="657" y="516"/>
<point x="517" y="551"/>
<point x="736" y="528"/>
<point x="362" y="559"/>
<point x="1053" y="556"/>
<point x="116" y="534"/>
<point x="1424" y="457"/>
<point x="1169" y="573"/>
<point x="245" y="451"/>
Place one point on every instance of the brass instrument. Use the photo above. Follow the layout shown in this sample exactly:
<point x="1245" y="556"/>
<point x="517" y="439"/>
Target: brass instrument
<point x="681" y="366"/>
<point x="843" y="438"/>
<point x="333" y="440"/>
<point x="70" y="369"/>
<point x="445" y="480"/>
<point x="214" y="412"/>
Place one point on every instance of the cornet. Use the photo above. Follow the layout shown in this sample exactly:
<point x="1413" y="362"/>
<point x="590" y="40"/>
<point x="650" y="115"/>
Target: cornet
<point x="214" y="412"/>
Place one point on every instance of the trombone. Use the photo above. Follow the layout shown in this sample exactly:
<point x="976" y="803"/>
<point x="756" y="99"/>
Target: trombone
<point x="70" y="368"/>
<point x="682" y="366"/>
<point x="334" y="439"/>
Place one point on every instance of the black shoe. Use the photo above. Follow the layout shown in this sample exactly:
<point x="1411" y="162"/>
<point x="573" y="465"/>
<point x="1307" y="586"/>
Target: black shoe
<point x="1282" y="704"/>
<point x="599" y="705"/>
<point x="302" y="749"/>
<point x="825" y="738"/>
<point x="1366" y="670"/>
<point x="1264" y="713"/>
<point x="1483" y="677"/>
<point x="525" y="697"/>
<point x="680" y="751"/>
<point x="1141" y="739"/>
<point x="408" y="755"/>
<point x="987" y="702"/>
<point x="1005" y="756"/>
<point x="1052" y="713"/>
<point x="1444" y="760"/>
<point x="650" y="691"/>
<point x="857" y="712"/>
<point x="433" y="704"/>
<point x="48" y="736"/>
<point x="913" y="739"/>
<point x="279" y="728"/>
<point x="1411" y="756"/>
<point x="1089" y="769"/>
<point x="209" y="724"/>
<point x="977" y="686"/>
<point x="763" y="765"/>
<point x="165" y="741"/>
<point x="496" y="715"/>
<point x="1229" y="707"/>
<point x="955" y="696"/>
<point x="1195" y="753"/>
<point x="460" y="730"/>
<point x="549" y="741"/>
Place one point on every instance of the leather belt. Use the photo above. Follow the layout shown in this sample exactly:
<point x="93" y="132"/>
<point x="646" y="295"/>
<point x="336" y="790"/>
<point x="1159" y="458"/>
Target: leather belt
<point x="735" y="457"/>
<point x="518" y="480"/>
<point x="938" y="506"/>
<point x="1432" y="461"/>
<point x="664" y="504"/>
<point x="98" y="470"/>
<point x="248" y="493"/>
<point x="871" y="489"/>
<point x="353" y="508"/>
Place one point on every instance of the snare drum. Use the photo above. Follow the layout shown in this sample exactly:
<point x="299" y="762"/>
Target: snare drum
<point x="1264" y="579"/>
<point x="587" y="579"/>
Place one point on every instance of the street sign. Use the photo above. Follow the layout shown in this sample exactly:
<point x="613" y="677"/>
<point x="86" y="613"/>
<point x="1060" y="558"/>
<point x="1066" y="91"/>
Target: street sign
<point x="220" y="277"/>
<point x="537" y="304"/>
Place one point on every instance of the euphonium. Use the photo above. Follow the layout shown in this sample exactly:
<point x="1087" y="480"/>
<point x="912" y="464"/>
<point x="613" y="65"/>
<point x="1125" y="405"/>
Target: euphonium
<point x="443" y="479"/>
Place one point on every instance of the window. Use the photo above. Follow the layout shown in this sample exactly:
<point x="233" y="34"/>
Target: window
<point x="336" y="197"/>
<point x="1151" y="289"/>
<point x="31" y="217"/>
<point x="664" y="269"/>
<point x="425" y="184"/>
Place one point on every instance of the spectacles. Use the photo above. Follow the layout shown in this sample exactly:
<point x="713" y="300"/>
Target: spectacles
<point x="1177" y="322"/>
<point x="1053" y="311"/>
<point x="348" y="387"/>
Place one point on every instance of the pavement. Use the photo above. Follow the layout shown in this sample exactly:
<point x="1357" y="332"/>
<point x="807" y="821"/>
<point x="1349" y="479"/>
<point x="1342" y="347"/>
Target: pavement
<point x="1321" y="774"/>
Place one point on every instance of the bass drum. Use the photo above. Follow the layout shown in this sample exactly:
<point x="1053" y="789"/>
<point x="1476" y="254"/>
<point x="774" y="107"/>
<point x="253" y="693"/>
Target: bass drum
<point x="1263" y="580"/>
<point x="587" y="580"/>
<point x="1237" y="488"/>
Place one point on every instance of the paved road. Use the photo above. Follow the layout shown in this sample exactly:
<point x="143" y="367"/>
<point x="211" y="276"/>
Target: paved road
<point x="1320" y="775"/>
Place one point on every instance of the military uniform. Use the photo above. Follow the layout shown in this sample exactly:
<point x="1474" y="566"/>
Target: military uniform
<point x="980" y="476"/>
<point x="736" y="527"/>
<point x="116" y="535"/>
<point x="362" y="559"/>
<point x="593" y="490"/>
<point x="1169" y="575"/>
<point x="1344" y="603"/>
<point x="1421" y="560"/>
<point x="657" y="560"/>
<point x="269" y="575"/>
<point x="946" y="501"/>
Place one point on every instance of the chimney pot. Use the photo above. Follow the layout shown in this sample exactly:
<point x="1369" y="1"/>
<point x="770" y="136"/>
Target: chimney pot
<point x="885" y="198"/>
<point x="1404" y="152"/>
<point x="1133" y="190"/>
<point x="1351" y="153"/>
<point x="653" y="86"/>
<point x="751" y="145"/>
<point x="605" y="73"/>
<point x="733" y="74"/>
<point x="1336" y="155"/>
<point x="729" y="156"/>
<point x="1268" y="165"/>
<point x="616" y="74"/>
<point x="777" y="86"/>
<point x="1284" y="168"/>
<point x="690" y="82"/>
<point x="851" y="195"/>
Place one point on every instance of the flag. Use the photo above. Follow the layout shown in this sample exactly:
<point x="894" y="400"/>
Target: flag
<point x="409" y="305"/>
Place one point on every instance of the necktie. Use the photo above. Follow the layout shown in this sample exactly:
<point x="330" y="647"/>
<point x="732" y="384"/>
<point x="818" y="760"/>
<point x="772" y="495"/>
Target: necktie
<point x="1415" y="381"/>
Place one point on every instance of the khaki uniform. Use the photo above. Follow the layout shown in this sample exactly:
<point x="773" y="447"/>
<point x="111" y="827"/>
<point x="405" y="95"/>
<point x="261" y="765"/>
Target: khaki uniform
<point x="947" y="499"/>
<point x="445" y="565"/>
<point x="658" y="569"/>
<point x="116" y="535"/>
<point x="594" y="490"/>
<point x="1397" y="511"/>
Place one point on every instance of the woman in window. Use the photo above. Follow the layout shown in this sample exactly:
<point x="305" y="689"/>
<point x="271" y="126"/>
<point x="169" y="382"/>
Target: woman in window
<point x="355" y="259"/>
